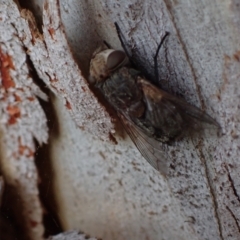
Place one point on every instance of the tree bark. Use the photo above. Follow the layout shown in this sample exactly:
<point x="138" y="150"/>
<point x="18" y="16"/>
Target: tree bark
<point x="101" y="183"/>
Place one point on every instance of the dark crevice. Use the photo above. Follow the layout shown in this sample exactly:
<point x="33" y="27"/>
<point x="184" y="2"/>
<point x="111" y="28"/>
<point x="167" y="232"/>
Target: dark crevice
<point x="43" y="160"/>
<point x="234" y="217"/>
<point x="46" y="174"/>
<point x="33" y="74"/>
<point x="11" y="223"/>
<point x="35" y="9"/>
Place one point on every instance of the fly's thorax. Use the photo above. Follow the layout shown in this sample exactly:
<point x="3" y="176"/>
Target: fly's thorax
<point x="122" y="92"/>
<point x="104" y="63"/>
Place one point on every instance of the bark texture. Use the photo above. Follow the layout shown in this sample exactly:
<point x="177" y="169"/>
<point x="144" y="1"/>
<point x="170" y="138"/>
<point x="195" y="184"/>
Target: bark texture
<point x="102" y="184"/>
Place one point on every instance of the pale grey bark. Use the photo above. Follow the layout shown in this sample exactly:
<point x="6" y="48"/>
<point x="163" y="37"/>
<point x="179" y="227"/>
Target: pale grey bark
<point x="73" y="235"/>
<point x="107" y="189"/>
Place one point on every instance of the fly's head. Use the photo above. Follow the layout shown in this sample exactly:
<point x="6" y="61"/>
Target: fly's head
<point x="104" y="63"/>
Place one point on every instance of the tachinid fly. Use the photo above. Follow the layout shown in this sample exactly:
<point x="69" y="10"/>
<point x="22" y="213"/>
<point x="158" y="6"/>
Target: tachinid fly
<point x="151" y="116"/>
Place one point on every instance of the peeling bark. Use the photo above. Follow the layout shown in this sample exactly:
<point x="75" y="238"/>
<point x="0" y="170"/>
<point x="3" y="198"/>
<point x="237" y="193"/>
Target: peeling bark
<point x="22" y="121"/>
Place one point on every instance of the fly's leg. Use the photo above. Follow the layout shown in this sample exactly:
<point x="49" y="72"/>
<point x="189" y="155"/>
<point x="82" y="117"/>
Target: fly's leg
<point x="156" y="57"/>
<point x="121" y="37"/>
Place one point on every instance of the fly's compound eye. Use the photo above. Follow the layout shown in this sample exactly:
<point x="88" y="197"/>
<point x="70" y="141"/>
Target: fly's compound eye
<point x="104" y="63"/>
<point x="116" y="59"/>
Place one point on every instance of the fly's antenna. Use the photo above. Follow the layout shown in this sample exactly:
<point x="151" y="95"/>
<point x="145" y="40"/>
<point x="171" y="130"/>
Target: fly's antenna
<point x="107" y="44"/>
<point x="121" y="36"/>
<point x="156" y="56"/>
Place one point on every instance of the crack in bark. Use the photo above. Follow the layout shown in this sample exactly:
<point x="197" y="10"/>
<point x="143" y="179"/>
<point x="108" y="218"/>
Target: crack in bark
<point x="232" y="184"/>
<point x="233" y="216"/>
<point x="169" y="8"/>
<point x="184" y="48"/>
<point x="215" y="203"/>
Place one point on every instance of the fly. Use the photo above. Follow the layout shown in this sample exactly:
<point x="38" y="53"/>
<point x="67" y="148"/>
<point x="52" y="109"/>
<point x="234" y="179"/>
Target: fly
<point x="152" y="117"/>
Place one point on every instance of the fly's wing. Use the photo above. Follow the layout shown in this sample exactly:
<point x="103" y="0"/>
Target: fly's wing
<point x="153" y="151"/>
<point x="192" y="111"/>
<point x="155" y="96"/>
